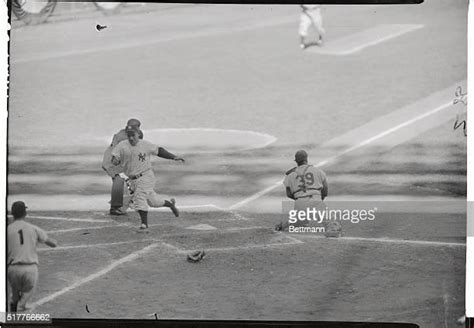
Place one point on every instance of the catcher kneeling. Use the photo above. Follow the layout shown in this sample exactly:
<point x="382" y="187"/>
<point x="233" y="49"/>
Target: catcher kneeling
<point x="308" y="187"/>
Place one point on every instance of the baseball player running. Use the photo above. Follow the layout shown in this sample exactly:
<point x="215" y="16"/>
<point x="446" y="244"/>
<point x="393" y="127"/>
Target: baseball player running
<point x="135" y="156"/>
<point x="116" y="202"/>
<point x="22" y="258"/>
<point x="304" y="183"/>
<point x="311" y="16"/>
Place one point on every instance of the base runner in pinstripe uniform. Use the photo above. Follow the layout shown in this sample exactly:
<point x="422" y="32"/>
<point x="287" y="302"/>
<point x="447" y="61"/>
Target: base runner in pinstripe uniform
<point x="134" y="155"/>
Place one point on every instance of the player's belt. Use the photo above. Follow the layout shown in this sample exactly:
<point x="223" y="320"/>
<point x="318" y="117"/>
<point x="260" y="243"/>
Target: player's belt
<point x="306" y="196"/>
<point x="311" y="195"/>
<point x="306" y="189"/>
<point x="136" y="176"/>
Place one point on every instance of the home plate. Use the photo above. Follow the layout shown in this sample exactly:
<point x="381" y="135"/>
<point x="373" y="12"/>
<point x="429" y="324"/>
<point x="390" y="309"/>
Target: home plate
<point x="202" y="227"/>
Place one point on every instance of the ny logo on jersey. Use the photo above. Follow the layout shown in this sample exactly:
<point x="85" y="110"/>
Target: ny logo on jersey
<point x="141" y="157"/>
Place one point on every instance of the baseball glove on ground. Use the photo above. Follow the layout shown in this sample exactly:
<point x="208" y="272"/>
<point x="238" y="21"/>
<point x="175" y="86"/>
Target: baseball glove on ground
<point x="196" y="256"/>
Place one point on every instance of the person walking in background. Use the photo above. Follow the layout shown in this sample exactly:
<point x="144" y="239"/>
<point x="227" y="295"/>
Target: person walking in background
<point x="311" y="16"/>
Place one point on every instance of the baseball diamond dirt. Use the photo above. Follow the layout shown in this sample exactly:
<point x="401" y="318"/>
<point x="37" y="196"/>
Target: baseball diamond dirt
<point x="228" y="88"/>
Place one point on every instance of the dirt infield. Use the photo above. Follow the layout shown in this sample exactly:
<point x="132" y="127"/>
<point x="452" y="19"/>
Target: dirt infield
<point x="251" y="272"/>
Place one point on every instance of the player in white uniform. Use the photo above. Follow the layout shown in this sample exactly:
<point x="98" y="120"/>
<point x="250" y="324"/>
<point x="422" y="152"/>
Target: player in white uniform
<point x="135" y="157"/>
<point x="22" y="258"/>
<point x="311" y="16"/>
<point x="305" y="184"/>
<point x="116" y="202"/>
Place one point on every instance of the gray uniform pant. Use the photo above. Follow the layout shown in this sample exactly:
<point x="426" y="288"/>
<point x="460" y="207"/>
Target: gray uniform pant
<point x="22" y="279"/>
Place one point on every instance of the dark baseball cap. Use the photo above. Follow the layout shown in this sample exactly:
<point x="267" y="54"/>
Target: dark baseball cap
<point x="132" y="129"/>
<point x="133" y="122"/>
<point x="18" y="209"/>
<point x="301" y="156"/>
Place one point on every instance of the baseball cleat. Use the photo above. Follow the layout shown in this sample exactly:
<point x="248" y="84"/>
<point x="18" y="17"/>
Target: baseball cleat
<point x="117" y="211"/>
<point x="171" y="204"/>
<point x="143" y="228"/>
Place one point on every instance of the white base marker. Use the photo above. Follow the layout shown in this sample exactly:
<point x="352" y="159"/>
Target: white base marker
<point x="202" y="226"/>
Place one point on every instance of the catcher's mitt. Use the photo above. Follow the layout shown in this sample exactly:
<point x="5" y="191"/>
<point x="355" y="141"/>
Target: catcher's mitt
<point x="333" y="229"/>
<point x="196" y="256"/>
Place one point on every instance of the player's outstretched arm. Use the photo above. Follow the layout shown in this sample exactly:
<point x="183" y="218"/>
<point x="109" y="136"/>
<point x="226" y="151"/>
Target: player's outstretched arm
<point x="51" y="242"/>
<point x="163" y="153"/>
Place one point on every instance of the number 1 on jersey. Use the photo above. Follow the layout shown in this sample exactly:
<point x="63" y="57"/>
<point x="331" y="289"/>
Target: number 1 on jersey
<point x="20" y="232"/>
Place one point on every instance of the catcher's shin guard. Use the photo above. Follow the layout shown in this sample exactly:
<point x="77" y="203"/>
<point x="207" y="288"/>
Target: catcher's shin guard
<point x="117" y="192"/>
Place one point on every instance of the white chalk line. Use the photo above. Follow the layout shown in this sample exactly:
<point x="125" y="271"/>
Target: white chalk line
<point x="122" y="224"/>
<point x="132" y="225"/>
<point x="45" y="249"/>
<point x="84" y="228"/>
<point x="256" y="195"/>
<point x="245" y="228"/>
<point x="387" y="132"/>
<point x="98" y="274"/>
<point x="358" y="41"/>
<point x="293" y="242"/>
<point x="67" y="219"/>
<point x="61" y="248"/>
<point x="359" y="145"/>
<point x="164" y="209"/>
<point x="390" y="241"/>
<point x="247" y="247"/>
<point x="445" y="303"/>
<point x="381" y="39"/>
